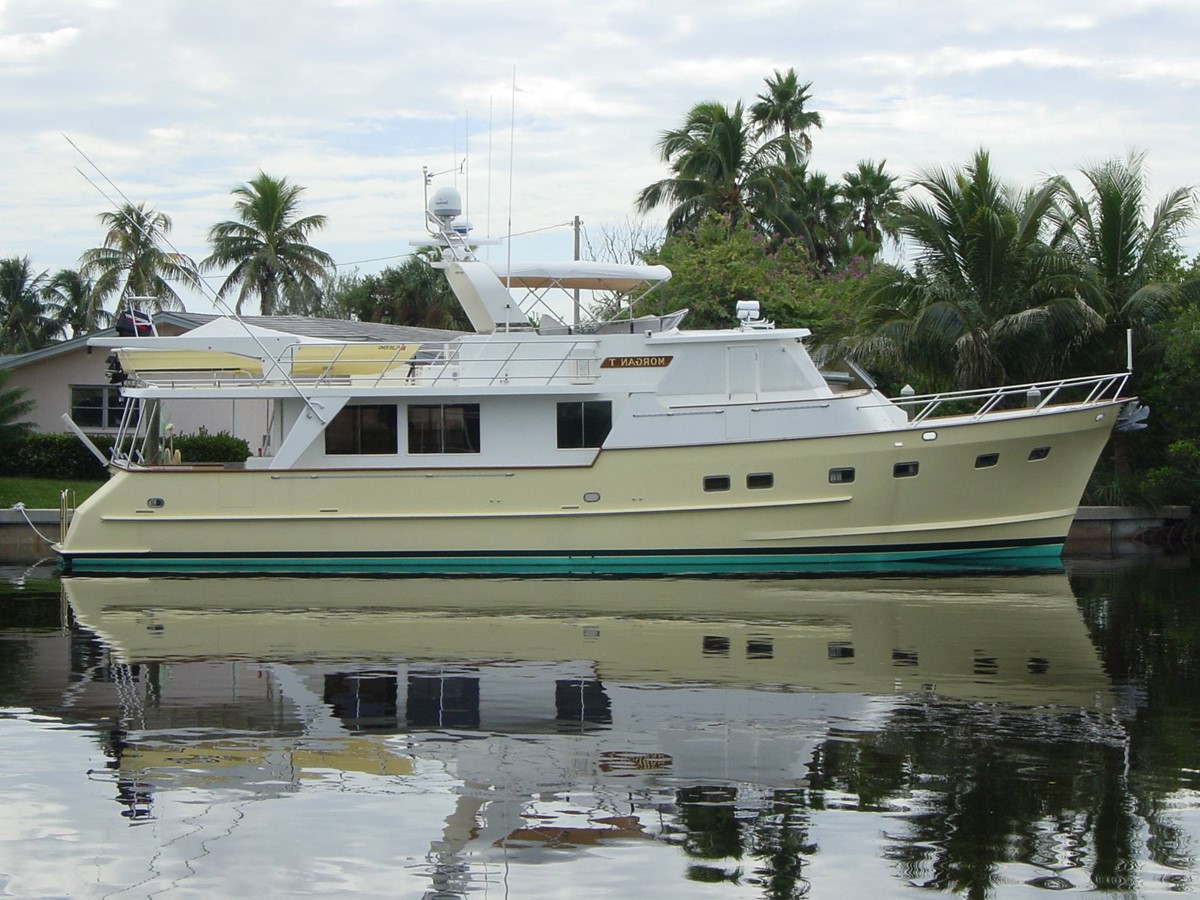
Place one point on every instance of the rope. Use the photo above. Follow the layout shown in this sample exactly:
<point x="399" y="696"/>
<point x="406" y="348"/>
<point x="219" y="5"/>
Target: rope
<point x="20" y="507"/>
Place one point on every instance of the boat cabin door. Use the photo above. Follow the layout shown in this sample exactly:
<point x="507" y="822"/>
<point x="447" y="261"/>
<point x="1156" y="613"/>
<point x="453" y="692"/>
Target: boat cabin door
<point x="742" y="375"/>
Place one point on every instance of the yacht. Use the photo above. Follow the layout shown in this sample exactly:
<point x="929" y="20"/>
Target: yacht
<point x="535" y="445"/>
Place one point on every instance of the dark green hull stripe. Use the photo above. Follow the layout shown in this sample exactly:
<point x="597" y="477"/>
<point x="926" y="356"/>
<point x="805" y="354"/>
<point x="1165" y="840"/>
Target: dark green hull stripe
<point x="537" y="562"/>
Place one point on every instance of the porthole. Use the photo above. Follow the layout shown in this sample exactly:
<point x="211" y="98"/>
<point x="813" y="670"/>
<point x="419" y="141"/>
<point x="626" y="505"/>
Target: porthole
<point x="716" y="482"/>
<point x="841" y="650"/>
<point x="715" y="645"/>
<point x="905" y="470"/>
<point x="841" y="476"/>
<point x="1039" y="453"/>
<point x="760" y="648"/>
<point x="156" y="503"/>
<point x="929" y="436"/>
<point x="758" y="481"/>
<point x="591" y="497"/>
<point x="986" y="460"/>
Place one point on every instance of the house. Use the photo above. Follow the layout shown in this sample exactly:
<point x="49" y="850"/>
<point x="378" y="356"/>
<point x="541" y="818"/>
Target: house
<point x="71" y="377"/>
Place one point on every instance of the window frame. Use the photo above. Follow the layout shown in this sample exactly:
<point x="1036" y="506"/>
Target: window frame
<point x="594" y="422"/>
<point x="338" y="430"/>
<point x="111" y="413"/>
<point x="420" y="443"/>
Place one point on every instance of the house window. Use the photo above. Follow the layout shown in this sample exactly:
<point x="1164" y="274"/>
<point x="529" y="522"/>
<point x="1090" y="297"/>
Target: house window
<point x="368" y="428"/>
<point x="716" y="482"/>
<point x="444" y="428"/>
<point x="583" y="424"/>
<point x="758" y="481"/>
<point x="905" y="470"/>
<point x="97" y="406"/>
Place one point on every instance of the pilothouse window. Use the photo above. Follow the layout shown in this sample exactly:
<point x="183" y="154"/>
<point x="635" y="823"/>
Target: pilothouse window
<point x="367" y="428"/>
<point x="444" y="428"/>
<point x="583" y="424"/>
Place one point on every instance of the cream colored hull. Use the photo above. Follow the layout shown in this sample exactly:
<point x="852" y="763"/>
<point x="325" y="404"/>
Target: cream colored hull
<point x="642" y="509"/>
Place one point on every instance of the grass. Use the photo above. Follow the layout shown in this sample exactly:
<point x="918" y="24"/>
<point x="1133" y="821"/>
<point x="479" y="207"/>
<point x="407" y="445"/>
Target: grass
<point x="42" y="493"/>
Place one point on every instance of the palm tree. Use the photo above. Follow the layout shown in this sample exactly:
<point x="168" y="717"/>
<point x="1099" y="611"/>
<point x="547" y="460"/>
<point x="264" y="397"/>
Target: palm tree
<point x="1121" y="253"/>
<point x="813" y="210"/>
<point x="25" y="322"/>
<point x="132" y="262"/>
<point x="268" y="246"/>
<point x="989" y="301"/>
<point x="718" y="168"/>
<point x="78" y="305"/>
<point x="414" y="294"/>
<point x="13" y="406"/>
<point x="875" y="198"/>
<point x="781" y="108"/>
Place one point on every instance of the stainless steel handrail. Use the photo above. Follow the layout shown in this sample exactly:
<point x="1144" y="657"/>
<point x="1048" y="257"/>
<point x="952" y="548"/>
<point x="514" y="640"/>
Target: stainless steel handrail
<point x="435" y="363"/>
<point x="1100" y="389"/>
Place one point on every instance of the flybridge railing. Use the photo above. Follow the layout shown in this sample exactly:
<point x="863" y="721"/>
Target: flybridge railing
<point x="1028" y="398"/>
<point x="363" y="365"/>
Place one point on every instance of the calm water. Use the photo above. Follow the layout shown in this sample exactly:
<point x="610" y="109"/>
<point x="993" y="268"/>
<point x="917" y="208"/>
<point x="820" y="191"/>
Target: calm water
<point x="973" y="735"/>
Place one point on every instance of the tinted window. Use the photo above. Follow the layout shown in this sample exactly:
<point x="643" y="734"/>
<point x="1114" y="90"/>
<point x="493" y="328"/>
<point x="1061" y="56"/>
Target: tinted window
<point x="584" y="424"/>
<point x="370" y="428"/>
<point x="444" y="428"/>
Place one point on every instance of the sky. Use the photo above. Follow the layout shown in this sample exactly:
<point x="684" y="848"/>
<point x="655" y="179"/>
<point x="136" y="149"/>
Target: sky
<point x="550" y="109"/>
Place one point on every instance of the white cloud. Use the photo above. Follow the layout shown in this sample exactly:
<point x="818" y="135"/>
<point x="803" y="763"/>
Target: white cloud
<point x="22" y="52"/>
<point x="179" y="102"/>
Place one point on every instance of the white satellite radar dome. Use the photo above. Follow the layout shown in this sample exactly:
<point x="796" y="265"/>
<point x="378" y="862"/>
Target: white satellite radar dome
<point x="446" y="204"/>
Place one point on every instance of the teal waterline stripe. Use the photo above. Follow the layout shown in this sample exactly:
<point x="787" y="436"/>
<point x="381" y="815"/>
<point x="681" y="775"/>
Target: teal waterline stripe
<point x="563" y="564"/>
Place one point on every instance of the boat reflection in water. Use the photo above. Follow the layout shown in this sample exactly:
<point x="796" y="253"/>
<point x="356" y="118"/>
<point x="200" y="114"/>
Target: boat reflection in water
<point x="558" y="715"/>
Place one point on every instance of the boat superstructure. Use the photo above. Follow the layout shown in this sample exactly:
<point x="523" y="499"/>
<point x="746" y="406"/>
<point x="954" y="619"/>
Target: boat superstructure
<point x="631" y="445"/>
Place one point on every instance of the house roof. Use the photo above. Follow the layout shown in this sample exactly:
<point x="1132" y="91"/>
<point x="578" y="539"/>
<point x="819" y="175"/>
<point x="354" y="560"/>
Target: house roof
<point x="306" y="326"/>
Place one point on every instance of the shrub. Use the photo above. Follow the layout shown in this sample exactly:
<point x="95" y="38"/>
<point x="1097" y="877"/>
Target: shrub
<point x="204" y="447"/>
<point x="54" y="456"/>
<point x="65" y="456"/>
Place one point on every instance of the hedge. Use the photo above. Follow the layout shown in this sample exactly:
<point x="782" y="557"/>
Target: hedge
<point x="65" y="456"/>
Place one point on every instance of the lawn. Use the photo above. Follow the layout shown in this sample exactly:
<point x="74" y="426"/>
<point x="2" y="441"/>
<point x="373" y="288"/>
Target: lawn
<point x="42" y="493"/>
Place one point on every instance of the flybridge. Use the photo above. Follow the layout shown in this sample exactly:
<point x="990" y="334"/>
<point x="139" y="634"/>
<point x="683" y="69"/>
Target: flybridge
<point x="486" y="294"/>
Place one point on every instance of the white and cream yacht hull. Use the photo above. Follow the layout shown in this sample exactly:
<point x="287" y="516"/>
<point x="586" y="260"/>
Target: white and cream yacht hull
<point x="979" y="490"/>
